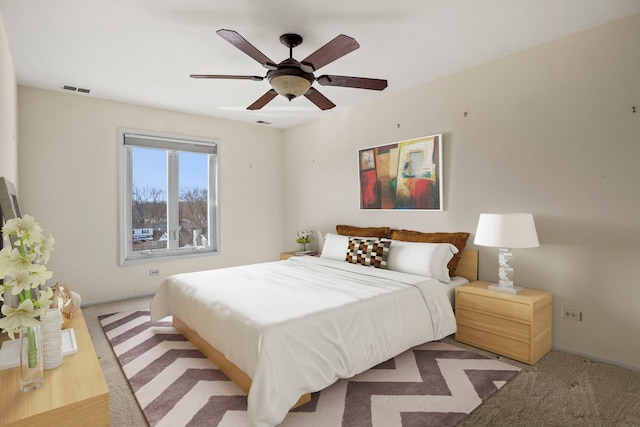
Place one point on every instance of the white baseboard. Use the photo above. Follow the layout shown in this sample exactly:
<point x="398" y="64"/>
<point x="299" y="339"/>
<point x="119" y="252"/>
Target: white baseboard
<point x="103" y="301"/>
<point x="597" y="358"/>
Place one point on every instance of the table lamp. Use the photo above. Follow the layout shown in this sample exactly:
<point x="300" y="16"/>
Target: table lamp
<point x="506" y="231"/>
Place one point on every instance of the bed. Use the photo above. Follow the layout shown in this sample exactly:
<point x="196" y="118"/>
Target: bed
<point x="281" y="330"/>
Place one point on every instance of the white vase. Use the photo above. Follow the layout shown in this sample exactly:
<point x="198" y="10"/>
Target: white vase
<point x="51" y="324"/>
<point x="31" y="374"/>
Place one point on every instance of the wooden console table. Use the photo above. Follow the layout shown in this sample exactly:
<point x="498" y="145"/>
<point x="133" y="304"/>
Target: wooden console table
<point x="74" y="394"/>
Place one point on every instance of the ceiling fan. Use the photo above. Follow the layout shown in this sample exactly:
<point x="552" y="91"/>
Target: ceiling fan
<point x="291" y="78"/>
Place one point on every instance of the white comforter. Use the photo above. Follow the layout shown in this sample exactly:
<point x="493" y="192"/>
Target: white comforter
<point x="297" y="326"/>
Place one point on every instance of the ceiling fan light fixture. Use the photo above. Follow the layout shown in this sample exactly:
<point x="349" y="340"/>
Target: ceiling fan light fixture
<point x="290" y="86"/>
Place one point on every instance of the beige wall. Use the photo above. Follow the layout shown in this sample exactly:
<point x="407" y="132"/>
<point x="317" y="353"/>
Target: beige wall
<point x="69" y="182"/>
<point x="549" y="131"/>
<point x="8" y="112"/>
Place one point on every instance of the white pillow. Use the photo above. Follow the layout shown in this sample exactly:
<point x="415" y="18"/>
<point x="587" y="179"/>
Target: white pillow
<point x="335" y="247"/>
<point x="320" y="241"/>
<point x="423" y="259"/>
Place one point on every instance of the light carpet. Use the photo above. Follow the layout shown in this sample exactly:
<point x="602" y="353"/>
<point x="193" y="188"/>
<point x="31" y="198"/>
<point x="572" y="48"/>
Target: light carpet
<point x="434" y="384"/>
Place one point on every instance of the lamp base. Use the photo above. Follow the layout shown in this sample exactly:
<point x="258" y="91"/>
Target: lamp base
<point x="509" y="290"/>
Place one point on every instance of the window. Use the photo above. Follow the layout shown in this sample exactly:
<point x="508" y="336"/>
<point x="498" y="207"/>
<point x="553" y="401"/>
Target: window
<point x="168" y="196"/>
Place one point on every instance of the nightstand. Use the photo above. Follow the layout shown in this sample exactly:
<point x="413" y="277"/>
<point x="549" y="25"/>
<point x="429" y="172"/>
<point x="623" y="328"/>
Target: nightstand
<point x="287" y="255"/>
<point x="516" y="326"/>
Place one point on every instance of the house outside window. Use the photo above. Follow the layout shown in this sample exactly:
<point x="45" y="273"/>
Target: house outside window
<point x="168" y="193"/>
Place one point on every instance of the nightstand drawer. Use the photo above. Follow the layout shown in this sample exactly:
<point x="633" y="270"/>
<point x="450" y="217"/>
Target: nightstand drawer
<point x="496" y="325"/>
<point x="508" y="347"/>
<point x="500" y="307"/>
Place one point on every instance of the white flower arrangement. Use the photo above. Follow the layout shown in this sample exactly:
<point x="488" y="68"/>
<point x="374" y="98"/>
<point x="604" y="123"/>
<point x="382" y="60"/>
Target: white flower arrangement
<point x="22" y="268"/>
<point x="304" y="236"/>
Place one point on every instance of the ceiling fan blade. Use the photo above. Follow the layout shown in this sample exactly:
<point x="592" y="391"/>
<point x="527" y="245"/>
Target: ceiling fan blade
<point x="263" y="100"/>
<point x="225" y="76"/>
<point x="319" y="99"/>
<point x="238" y="41"/>
<point x="336" y="48"/>
<point x="356" y="82"/>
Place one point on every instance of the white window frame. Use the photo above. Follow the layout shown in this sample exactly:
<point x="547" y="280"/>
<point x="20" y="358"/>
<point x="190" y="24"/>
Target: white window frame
<point x="135" y="138"/>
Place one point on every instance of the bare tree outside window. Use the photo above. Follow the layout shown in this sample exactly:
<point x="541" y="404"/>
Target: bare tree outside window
<point x="149" y="206"/>
<point x="193" y="216"/>
<point x="149" y="218"/>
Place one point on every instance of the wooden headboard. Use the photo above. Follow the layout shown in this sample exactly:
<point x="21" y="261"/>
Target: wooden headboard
<point x="468" y="265"/>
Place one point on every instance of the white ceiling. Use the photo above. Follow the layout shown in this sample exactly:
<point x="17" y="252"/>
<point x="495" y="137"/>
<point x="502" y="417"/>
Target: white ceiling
<point x="142" y="51"/>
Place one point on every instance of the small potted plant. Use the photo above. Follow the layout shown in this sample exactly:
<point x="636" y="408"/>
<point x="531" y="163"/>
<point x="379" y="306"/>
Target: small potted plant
<point x="304" y="238"/>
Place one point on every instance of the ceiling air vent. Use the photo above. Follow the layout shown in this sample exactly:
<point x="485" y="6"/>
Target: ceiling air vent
<point x="75" y="89"/>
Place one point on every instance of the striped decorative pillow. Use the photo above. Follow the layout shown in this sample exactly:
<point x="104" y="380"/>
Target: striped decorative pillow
<point x="368" y="252"/>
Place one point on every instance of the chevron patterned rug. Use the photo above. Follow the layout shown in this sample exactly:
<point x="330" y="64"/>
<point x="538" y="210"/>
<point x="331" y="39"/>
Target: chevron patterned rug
<point x="434" y="384"/>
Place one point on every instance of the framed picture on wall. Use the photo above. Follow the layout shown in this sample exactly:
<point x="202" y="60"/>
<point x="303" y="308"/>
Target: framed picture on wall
<point x="405" y="175"/>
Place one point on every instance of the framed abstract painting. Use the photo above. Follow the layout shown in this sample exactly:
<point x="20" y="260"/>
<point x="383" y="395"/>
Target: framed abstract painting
<point x="405" y="175"/>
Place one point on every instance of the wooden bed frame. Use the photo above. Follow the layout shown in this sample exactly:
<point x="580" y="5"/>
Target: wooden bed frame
<point x="468" y="265"/>
<point x="467" y="268"/>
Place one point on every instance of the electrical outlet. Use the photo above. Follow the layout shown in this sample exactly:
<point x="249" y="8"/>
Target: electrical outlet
<point x="569" y="313"/>
<point x="154" y="272"/>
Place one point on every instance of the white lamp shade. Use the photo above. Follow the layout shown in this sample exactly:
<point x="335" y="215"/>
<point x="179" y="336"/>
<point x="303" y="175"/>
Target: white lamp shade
<point x="514" y="230"/>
